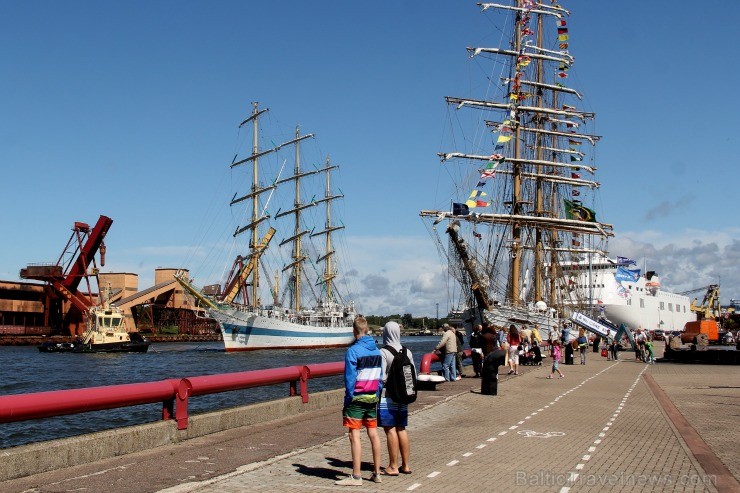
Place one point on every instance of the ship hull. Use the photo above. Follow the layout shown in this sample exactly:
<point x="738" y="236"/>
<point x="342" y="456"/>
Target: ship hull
<point x="638" y="303"/>
<point x="246" y="331"/>
<point x="650" y="317"/>
<point x="122" y="347"/>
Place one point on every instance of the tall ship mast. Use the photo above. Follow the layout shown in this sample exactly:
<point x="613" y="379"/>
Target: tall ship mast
<point x="245" y="321"/>
<point x="328" y="256"/>
<point x="519" y="230"/>
<point x="518" y="213"/>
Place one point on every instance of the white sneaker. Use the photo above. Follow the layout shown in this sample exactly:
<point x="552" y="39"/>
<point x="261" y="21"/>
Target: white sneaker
<point x="349" y="481"/>
<point x="375" y="478"/>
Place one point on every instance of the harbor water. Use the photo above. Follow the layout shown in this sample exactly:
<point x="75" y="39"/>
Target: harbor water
<point x="26" y="370"/>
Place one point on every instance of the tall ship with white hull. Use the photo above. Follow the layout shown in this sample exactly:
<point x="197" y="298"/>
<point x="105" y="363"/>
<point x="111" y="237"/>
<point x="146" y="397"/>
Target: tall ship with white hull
<point x="519" y="229"/>
<point x="288" y="321"/>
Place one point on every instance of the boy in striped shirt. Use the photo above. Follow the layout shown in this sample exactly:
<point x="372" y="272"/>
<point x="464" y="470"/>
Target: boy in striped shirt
<point x="363" y="377"/>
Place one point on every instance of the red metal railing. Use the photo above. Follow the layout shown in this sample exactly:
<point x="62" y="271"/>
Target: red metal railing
<point x="174" y="393"/>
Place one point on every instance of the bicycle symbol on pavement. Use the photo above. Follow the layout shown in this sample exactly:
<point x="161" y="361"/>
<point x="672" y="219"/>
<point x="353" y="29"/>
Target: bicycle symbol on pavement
<point x="537" y="434"/>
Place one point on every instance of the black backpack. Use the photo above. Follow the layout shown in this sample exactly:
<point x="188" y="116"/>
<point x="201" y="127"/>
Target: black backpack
<point x="400" y="385"/>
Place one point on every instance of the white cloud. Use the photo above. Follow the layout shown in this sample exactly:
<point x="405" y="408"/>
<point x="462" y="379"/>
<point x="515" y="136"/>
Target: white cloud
<point x="404" y="275"/>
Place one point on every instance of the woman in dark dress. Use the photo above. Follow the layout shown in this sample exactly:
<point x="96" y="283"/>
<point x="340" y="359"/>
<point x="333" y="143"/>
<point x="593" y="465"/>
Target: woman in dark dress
<point x="493" y="358"/>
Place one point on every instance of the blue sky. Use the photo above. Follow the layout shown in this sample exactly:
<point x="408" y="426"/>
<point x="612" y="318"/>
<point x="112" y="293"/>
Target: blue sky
<point x="130" y="110"/>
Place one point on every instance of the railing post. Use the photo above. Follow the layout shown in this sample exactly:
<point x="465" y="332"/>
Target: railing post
<point x="181" y="410"/>
<point x="305" y="375"/>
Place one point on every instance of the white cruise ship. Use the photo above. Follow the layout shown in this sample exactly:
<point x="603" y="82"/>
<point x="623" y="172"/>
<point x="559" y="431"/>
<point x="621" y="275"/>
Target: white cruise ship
<point x="622" y="293"/>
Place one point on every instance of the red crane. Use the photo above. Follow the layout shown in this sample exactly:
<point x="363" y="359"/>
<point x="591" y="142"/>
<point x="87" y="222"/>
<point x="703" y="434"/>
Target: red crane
<point x="71" y="268"/>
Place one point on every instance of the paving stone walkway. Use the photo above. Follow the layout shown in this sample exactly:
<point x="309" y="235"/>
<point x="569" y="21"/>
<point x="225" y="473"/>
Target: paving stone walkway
<point x="601" y="428"/>
<point x="598" y="428"/>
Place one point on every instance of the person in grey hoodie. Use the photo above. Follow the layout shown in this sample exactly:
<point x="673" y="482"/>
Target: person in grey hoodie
<point x="448" y="345"/>
<point x="393" y="416"/>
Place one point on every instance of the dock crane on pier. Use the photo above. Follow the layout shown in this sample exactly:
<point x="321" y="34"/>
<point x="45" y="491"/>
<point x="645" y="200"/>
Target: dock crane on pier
<point x="63" y="278"/>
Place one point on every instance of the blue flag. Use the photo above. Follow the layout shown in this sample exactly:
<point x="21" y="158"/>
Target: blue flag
<point x="624" y="274"/>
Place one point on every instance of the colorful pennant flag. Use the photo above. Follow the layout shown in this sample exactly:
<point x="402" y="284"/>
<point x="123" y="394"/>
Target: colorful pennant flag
<point x="575" y="193"/>
<point x="575" y="175"/>
<point x="503" y="139"/>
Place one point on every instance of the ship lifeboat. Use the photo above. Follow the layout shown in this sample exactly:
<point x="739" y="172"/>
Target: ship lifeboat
<point x="652" y="286"/>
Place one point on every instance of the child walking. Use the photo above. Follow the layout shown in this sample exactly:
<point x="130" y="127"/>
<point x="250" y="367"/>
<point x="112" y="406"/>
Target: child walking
<point x="650" y="353"/>
<point x="556" y="352"/>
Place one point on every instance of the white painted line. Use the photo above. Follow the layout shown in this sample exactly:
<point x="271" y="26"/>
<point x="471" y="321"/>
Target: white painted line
<point x="503" y="433"/>
<point x="586" y="458"/>
<point x="433" y="474"/>
<point x="597" y="442"/>
<point x="513" y="427"/>
<point x="573" y="477"/>
<point x="520" y="423"/>
<point x="540" y="410"/>
<point x="492" y="439"/>
<point x="579" y="466"/>
<point x="535" y="413"/>
<point x="564" y="489"/>
<point x="467" y="454"/>
<point x="602" y="435"/>
<point x="413" y="486"/>
<point x="606" y="428"/>
<point x="452" y="463"/>
<point x="482" y="445"/>
<point x="592" y="449"/>
<point x="528" y="417"/>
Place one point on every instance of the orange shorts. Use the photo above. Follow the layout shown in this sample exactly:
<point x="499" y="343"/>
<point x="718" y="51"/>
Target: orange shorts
<point x="358" y="414"/>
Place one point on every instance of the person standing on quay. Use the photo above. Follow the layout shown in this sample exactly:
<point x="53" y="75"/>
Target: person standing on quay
<point x="393" y="416"/>
<point x="491" y="363"/>
<point x="514" y="341"/>
<point x="460" y="335"/>
<point x="582" y="346"/>
<point x="448" y="345"/>
<point x="476" y="349"/>
<point x="362" y="386"/>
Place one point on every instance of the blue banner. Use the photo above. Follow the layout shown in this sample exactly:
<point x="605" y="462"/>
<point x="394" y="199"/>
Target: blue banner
<point x="624" y="274"/>
<point x="625" y="261"/>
